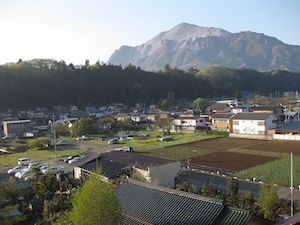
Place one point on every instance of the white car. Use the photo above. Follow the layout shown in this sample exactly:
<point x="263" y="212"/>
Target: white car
<point x="82" y="138"/>
<point x="70" y="157"/>
<point x="51" y="170"/>
<point x="23" y="173"/>
<point x="74" y="160"/>
<point x="15" y="169"/>
<point x="124" y="149"/>
<point x="24" y="161"/>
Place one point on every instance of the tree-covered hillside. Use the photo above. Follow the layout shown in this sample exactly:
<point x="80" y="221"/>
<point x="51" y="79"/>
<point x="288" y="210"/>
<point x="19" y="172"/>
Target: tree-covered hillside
<point x="48" y="82"/>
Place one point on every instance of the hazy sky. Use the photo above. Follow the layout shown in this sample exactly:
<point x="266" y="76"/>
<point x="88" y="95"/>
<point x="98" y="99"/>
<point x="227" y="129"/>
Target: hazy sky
<point x="75" y="30"/>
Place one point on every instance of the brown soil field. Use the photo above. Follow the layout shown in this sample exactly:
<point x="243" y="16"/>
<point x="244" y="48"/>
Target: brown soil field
<point x="277" y="146"/>
<point x="221" y="144"/>
<point x="231" y="160"/>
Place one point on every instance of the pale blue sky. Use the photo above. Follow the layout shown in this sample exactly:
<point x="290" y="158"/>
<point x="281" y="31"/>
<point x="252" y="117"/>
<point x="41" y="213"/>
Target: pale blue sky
<point x="75" y="30"/>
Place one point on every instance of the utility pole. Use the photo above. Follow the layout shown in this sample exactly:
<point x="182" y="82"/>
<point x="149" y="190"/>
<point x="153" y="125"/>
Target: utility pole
<point x="54" y="137"/>
<point x="292" y="186"/>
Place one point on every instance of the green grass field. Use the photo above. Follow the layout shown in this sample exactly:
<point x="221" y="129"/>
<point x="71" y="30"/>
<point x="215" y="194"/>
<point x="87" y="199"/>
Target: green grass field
<point x="276" y="172"/>
<point x="35" y="154"/>
<point x="153" y="142"/>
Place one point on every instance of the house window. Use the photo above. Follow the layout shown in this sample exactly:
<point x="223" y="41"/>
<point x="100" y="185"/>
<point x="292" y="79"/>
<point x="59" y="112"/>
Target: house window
<point x="235" y="122"/>
<point x="261" y="123"/>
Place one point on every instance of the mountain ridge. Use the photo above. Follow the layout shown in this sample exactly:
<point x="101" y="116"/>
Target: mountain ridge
<point x="188" y="45"/>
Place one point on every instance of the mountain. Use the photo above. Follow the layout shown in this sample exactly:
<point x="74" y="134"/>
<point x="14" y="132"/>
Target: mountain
<point x="187" y="45"/>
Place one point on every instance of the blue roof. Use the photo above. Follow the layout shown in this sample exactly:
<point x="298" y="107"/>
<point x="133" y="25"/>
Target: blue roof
<point x="294" y="124"/>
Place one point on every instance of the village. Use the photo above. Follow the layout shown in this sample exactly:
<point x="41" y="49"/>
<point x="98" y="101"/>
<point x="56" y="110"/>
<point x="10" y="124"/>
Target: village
<point x="199" y="149"/>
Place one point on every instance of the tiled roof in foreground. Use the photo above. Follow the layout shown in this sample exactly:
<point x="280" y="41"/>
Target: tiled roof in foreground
<point x="146" y="204"/>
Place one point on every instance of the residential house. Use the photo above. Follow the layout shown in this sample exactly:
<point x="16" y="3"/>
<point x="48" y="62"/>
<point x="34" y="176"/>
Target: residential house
<point x="144" y="203"/>
<point x="67" y="121"/>
<point x="278" y="111"/>
<point x="219" y="108"/>
<point x="12" y="129"/>
<point x="164" y="114"/>
<point x="253" y="123"/>
<point x="221" y="121"/>
<point x="151" y="117"/>
<point x="187" y="113"/>
<point x="150" y="169"/>
<point x="121" y="117"/>
<point x="188" y="125"/>
<point x="138" y="118"/>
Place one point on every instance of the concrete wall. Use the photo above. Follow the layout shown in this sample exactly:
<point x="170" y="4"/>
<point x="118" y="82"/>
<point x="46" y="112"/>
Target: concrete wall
<point x="164" y="175"/>
<point x="287" y="137"/>
<point x="251" y="136"/>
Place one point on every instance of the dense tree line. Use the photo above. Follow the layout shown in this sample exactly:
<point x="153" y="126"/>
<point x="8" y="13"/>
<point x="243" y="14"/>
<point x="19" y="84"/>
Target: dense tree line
<point x="48" y="82"/>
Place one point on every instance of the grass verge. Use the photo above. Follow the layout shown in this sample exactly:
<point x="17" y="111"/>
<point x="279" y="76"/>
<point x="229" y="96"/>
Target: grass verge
<point x="35" y="154"/>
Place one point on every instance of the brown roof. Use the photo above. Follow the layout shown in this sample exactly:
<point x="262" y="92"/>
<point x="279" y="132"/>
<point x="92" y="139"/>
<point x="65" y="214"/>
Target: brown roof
<point x="267" y="108"/>
<point x="222" y="115"/>
<point x="218" y="106"/>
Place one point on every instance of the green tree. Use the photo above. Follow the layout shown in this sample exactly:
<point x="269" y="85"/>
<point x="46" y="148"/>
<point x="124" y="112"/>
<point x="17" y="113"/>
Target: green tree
<point x="40" y="143"/>
<point x="169" y="101"/>
<point x="9" y="192"/>
<point x="84" y="126"/>
<point x="268" y="201"/>
<point x="200" y="104"/>
<point x="96" y="203"/>
<point x="164" y="124"/>
<point x="64" y="219"/>
<point x="62" y="130"/>
<point x="233" y="192"/>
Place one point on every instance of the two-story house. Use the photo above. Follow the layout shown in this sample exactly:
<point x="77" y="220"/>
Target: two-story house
<point x="188" y="125"/>
<point x="221" y="121"/>
<point x="253" y="123"/>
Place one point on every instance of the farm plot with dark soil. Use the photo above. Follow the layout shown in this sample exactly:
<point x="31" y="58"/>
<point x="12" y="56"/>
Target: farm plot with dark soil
<point x="231" y="160"/>
<point x="221" y="144"/>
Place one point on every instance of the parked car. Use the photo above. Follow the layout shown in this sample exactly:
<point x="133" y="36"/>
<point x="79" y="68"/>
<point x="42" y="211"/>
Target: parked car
<point x="124" y="149"/>
<point x="52" y="169"/>
<point x="24" y="161"/>
<point x="23" y="173"/>
<point x="70" y="158"/>
<point x="74" y="160"/>
<point x="15" y="169"/>
<point x="113" y="141"/>
<point x="62" y="143"/>
<point x="36" y="164"/>
<point x="166" y="138"/>
<point x="82" y="138"/>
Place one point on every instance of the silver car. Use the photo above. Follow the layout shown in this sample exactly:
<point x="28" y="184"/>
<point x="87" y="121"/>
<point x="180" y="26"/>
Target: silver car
<point x="15" y="169"/>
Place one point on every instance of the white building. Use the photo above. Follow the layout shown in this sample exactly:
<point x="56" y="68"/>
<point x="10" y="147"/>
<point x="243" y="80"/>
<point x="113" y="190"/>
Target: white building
<point x="187" y="124"/>
<point x="139" y="118"/>
<point x="253" y="123"/>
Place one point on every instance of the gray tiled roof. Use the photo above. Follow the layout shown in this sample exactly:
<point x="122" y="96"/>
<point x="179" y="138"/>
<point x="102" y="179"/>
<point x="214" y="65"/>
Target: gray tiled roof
<point x="222" y="115"/>
<point x="145" y="204"/>
<point x="251" y="116"/>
